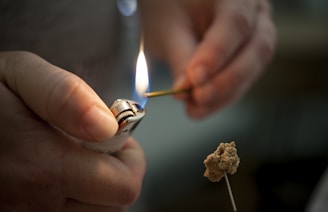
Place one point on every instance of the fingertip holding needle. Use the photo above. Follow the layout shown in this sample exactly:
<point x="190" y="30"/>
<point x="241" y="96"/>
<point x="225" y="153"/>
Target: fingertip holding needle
<point x="166" y="92"/>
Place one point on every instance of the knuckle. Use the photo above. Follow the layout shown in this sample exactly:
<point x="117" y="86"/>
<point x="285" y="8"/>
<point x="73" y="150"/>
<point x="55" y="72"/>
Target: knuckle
<point x="265" y="50"/>
<point x="243" y="18"/>
<point x="266" y="6"/>
<point x="23" y="55"/>
<point x="65" y="85"/>
<point x="242" y="23"/>
<point x="266" y="43"/>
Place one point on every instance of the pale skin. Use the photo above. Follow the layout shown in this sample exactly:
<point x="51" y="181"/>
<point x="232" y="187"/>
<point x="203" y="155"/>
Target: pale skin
<point x="216" y="48"/>
<point x="45" y="109"/>
<point x="43" y="169"/>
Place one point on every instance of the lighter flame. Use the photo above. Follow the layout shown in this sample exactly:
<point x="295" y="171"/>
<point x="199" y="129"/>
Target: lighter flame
<point x="141" y="80"/>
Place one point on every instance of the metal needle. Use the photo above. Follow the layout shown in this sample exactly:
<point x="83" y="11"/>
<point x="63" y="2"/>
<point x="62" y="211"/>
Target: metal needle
<point x="230" y="192"/>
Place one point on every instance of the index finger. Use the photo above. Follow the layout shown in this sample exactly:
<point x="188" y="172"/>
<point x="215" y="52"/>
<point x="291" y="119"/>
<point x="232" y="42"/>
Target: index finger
<point x="57" y="96"/>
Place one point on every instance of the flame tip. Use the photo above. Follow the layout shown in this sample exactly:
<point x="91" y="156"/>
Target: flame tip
<point x="141" y="78"/>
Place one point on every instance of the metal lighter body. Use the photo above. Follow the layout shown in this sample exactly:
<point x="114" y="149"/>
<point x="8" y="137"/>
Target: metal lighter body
<point x="128" y="114"/>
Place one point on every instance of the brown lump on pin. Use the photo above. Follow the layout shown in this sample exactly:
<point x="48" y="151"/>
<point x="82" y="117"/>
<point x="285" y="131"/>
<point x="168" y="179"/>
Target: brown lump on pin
<point x="224" y="159"/>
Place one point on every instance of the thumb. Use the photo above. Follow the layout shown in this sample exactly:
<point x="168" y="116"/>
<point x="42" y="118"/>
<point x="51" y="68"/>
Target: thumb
<point x="57" y="96"/>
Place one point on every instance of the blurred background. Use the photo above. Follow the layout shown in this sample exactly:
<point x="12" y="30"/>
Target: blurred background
<point x="280" y="128"/>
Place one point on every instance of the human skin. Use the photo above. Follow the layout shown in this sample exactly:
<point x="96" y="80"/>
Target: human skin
<point x="218" y="48"/>
<point x="45" y="168"/>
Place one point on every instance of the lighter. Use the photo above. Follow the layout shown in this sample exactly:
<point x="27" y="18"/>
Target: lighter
<point x="128" y="114"/>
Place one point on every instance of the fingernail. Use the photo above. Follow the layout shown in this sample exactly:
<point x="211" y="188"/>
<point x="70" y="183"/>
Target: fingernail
<point x="199" y="76"/>
<point x="99" y="124"/>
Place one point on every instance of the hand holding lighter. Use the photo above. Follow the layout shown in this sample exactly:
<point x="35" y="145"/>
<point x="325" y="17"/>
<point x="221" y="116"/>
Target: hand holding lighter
<point x="128" y="115"/>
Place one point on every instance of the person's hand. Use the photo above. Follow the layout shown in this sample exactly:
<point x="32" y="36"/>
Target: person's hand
<point x="43" y="167"/>
<point x="215" y="47"/>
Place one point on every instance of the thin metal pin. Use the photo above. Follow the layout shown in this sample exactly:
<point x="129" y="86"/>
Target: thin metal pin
<point x="230" y="192"/>
<point x="166" y="92"/>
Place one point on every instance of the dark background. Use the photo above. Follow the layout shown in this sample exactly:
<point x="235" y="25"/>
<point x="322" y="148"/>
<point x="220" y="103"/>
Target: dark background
<point x="280" y="127"/>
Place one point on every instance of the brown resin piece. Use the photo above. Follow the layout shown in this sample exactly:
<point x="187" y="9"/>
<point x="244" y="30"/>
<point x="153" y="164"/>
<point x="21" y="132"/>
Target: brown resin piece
<point x="224" y="159"/>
